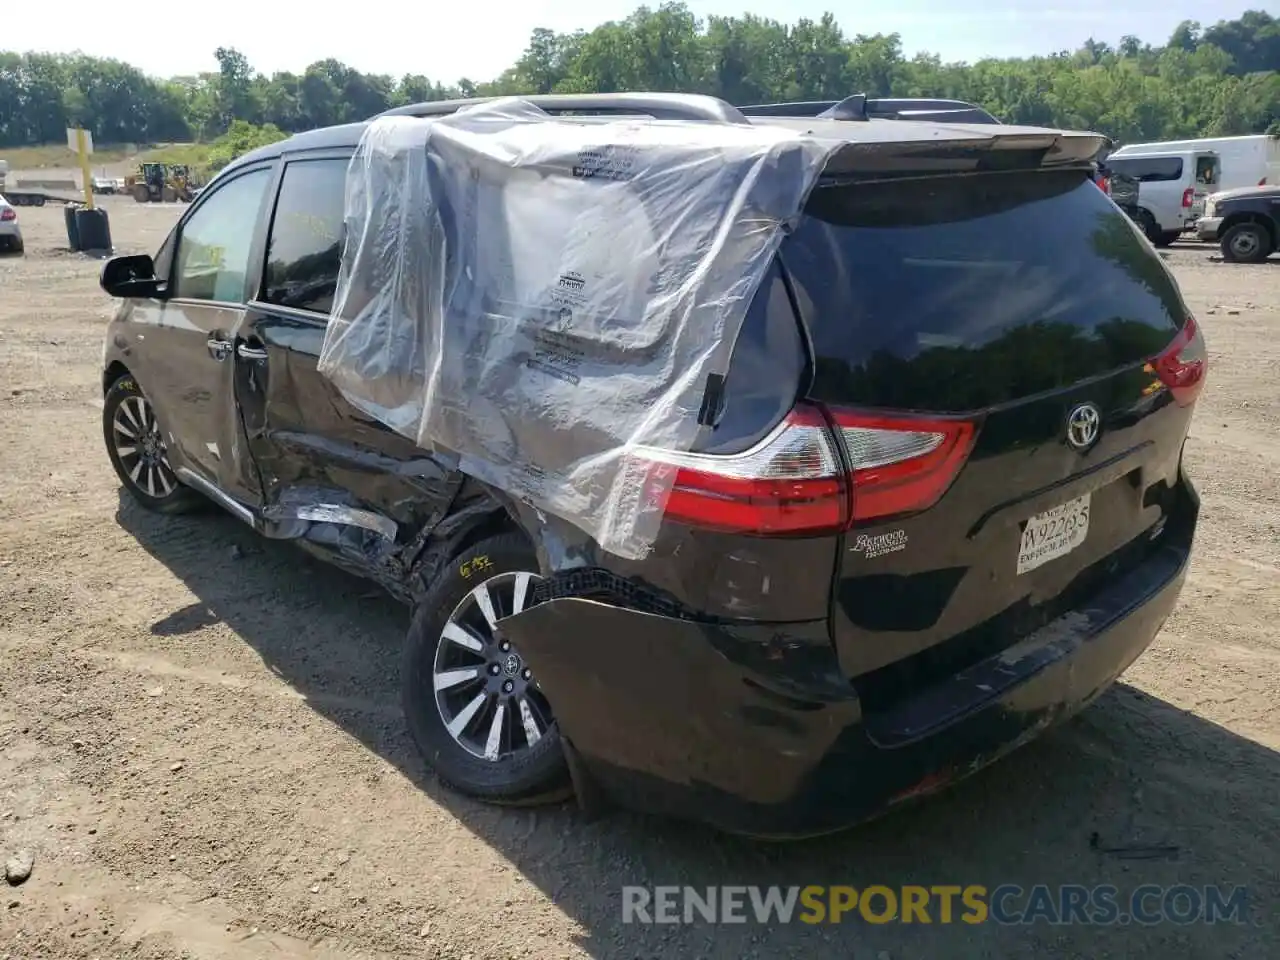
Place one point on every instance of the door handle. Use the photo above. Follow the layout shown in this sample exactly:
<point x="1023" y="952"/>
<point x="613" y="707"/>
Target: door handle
<point x="219" y="349"/>
<point x="246" y="352"/>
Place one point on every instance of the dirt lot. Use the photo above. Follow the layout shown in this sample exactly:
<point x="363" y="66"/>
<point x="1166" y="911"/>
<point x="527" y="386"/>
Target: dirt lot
<point x="200" y="742"/>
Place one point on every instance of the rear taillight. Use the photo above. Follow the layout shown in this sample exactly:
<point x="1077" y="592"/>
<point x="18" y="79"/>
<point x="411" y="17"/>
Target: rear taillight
<point x="790" y="482"/>
<point x="902" y="464"/>
<point x="798" y="481"/>
<point x="1182" y="365"/>
<point x="8" y="213"/>
<point x="1188" y="197"/>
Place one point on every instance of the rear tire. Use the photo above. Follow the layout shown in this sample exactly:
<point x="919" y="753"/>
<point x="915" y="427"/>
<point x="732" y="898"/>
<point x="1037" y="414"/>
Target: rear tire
<point x="1246" y="243"/>
<point x="1168" y="237"/>
<point x="1149" y="226"/>
<point x="469" y="677"/>
<point x="137" y="451"/>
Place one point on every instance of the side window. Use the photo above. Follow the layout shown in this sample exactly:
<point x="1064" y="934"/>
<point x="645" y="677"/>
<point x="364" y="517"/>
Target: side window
<point x="305" y="246"/>
<point x="1162" y="169"/>
<point x="215" y="243"/>
<point x="765" y="369"/>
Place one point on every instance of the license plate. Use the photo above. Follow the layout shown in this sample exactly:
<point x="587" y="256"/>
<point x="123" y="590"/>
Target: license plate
<point x="1054" y="533"/>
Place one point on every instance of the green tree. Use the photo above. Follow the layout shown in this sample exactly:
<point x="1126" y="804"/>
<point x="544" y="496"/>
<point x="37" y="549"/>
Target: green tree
<point x="1219" y="79"/>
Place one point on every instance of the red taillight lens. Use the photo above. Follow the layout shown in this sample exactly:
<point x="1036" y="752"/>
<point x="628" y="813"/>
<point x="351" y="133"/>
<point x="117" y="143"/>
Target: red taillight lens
<point x="8" y="213"/>
<point x="1183" y="364"/>
<point x="791" y="482"/>
<point x="1188" y="197"/>
<point x="902" y="464"/>
<point x="795" y="481"/>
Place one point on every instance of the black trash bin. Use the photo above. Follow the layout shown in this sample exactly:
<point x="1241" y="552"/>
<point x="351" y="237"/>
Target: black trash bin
<point x="73" y="231"/>
<point x="93" y="229"/>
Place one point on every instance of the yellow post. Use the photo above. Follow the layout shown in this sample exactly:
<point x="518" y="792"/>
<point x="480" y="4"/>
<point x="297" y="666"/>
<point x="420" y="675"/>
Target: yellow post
<point x="86" y="176"/>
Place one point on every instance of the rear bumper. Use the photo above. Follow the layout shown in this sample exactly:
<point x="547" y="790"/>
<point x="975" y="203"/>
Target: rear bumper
<point x="1209" y="229"/>
<point x="677" y="717"/>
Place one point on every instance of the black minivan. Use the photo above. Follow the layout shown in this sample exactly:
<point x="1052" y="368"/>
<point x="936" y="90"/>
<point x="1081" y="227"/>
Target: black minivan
<point x="943" y="505"/>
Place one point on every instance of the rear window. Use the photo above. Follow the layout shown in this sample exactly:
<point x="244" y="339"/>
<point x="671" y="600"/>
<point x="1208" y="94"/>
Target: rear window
<point x="1207" y="170"/>
<point x="305" y="245"/>
<point x="961" y="292"/>
<point x="1148" y="169"/>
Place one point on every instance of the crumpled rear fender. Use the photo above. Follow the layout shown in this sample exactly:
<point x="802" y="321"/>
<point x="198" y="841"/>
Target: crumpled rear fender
<point x="657" y="696"/>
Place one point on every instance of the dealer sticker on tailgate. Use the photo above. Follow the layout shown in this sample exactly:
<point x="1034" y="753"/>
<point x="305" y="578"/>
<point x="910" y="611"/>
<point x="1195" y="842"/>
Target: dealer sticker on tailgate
<point x="1054" y="533"/>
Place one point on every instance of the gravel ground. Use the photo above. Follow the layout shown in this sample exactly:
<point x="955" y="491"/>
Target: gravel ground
<point x="200" y="744"/>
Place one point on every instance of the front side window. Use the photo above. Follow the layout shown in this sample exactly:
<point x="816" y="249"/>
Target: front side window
<point x="305" y="247"/>
<point x="215" y="243"/>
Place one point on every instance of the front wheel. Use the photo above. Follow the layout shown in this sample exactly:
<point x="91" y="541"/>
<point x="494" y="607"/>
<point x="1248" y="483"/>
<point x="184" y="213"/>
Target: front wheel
<point x="138" y="452"/>
<point x="473" y="705"/>
<point x="1246" y="243"/>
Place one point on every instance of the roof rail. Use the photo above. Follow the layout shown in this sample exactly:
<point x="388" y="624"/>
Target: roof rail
<point x="659" y="106"/>
<point x="859" y="107"/>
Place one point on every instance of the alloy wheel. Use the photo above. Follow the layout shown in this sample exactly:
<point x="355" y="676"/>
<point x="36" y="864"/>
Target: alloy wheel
<point x="135" y="433"/>
<point x="487" y="696"/>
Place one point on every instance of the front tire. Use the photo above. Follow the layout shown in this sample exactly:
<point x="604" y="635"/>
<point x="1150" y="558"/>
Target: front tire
<point x="138" y="452"/>
<point x="473" y="706"/>
<point x="1246" y="243"/>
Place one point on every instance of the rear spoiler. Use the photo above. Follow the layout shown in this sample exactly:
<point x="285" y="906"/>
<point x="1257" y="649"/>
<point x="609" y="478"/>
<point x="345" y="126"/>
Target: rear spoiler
<point x="973" y="148"/>
<point x="859" y="107"/>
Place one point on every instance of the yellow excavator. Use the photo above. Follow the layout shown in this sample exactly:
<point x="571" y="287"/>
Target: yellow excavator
<point x="161" y="183"/>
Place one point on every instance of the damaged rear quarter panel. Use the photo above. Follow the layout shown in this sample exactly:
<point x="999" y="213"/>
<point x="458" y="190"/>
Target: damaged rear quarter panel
<point x="657" y="696"/>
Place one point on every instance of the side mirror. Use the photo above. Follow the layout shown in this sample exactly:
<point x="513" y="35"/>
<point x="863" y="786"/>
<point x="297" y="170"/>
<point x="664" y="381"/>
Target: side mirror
<point x="133" y="276"/>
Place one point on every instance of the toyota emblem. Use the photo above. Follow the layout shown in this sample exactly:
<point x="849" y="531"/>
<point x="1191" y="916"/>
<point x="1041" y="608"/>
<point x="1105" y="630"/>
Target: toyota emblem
<point x="1083" y="424"/>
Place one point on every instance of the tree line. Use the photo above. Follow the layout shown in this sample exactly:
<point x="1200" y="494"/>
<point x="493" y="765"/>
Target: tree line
<point x="1217" y="80"/>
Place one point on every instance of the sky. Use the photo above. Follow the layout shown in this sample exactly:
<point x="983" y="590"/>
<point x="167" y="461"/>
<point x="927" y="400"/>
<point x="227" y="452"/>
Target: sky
<point x="478" y="39"/>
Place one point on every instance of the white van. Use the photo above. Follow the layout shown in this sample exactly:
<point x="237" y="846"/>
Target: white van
<point x="1172" y="188"/>
<point x="1251" y="161"/>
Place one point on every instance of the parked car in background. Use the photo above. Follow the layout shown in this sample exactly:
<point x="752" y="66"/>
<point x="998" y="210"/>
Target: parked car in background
<point x="941" y="504"/>
<point x="1122" y="189"/>
<point x="1172" y="188"/>
<point x="1246" y="222"/>
<point x="10" y="231"/>
<point x="1248" y="161"/>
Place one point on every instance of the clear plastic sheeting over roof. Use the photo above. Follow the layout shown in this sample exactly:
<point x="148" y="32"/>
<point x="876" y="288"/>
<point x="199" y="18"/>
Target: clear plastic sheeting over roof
<point x="547" y="298"/>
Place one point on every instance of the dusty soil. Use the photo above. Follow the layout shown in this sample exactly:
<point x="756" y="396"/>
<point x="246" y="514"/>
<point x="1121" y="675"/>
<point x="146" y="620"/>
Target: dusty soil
<point x="199" y="737"/>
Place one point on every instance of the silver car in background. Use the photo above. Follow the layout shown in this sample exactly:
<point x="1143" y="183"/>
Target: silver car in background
<point x="10" y="232"/>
